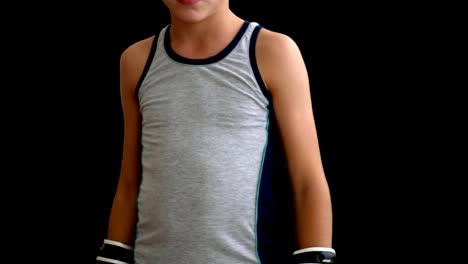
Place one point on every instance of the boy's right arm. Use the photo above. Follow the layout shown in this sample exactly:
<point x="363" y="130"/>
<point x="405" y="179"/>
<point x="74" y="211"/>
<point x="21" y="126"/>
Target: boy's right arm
<point x="123" y="213"/>
<point x="123" y="217"/>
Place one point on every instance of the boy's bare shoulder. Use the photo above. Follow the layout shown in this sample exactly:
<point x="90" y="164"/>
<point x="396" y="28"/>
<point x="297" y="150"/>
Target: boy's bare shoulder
<point x="276" y="54"/>
<point x="137" y="51"/>
<point x="133" y="61"/>
<point x="275" y="42"/>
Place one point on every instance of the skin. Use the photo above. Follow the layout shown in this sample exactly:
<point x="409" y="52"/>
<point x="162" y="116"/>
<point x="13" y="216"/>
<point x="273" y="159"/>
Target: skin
<point x="285" y="75"/>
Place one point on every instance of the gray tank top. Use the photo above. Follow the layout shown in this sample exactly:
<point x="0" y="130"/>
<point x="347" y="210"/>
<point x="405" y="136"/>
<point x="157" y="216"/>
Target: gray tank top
<point x="207" y="191"/>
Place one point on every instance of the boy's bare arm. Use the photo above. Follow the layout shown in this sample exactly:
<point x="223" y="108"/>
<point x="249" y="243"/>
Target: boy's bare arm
<point x="123" y="213"/>
<point x="285" y="75"/>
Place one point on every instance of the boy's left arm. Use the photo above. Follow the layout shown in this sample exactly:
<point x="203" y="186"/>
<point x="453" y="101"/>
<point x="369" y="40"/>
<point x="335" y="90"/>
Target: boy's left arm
<point x="286" y="78"/>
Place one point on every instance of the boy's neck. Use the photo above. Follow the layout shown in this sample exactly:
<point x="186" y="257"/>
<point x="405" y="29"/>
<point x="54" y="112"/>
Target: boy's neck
<point x="206" y="37"/>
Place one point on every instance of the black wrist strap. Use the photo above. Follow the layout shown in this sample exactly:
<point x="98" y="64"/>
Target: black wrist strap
<point x="115" y="252"/>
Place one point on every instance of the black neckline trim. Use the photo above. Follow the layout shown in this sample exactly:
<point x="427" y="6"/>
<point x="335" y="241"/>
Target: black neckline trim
<point x="148" y="62"/>
<point x="253" y="62"/>
<point x="212" y="59"/>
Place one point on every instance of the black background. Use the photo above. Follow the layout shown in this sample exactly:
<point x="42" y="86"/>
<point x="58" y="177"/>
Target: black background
<point x="369" y="73"/>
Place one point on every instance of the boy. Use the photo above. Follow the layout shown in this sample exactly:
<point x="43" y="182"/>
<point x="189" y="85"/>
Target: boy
<point x="221" y="162"/>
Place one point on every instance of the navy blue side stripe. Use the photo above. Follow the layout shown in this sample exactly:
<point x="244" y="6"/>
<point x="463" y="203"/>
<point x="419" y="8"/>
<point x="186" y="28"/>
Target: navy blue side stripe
<point x="275" y="220"/>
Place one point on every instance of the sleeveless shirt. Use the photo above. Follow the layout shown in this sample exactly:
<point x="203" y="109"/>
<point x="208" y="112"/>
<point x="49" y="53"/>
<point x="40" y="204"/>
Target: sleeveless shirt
<point x="214" y="185"/>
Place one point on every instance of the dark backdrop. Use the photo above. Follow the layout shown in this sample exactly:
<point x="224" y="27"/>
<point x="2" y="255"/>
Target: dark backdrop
<point x="63" y="118"/>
